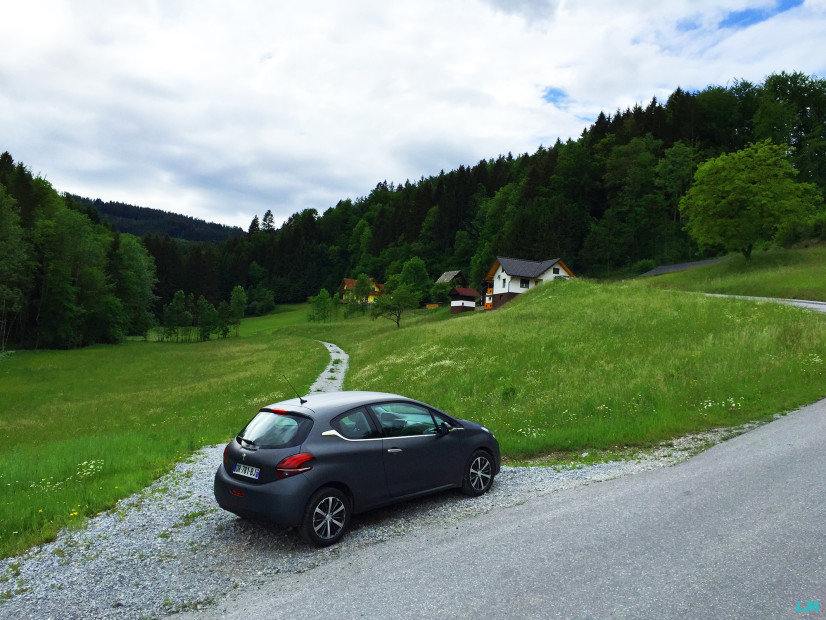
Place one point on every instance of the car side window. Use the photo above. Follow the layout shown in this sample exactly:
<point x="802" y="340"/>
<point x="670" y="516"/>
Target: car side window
<point x="354" y="425"/>
<point x="404" y="419"/>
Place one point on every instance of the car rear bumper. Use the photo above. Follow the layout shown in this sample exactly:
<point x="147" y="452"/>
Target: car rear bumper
<point x="280" y="501"/>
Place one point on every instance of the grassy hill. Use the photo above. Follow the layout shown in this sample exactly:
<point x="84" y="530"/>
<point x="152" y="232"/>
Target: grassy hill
<point x="575" y="365"/>
<point x="568" y="367"/>
<point x="792" y="274"/>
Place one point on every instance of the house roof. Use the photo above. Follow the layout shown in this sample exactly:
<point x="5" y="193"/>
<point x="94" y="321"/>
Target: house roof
<point x="518" y="268"/>
<point x="349" y="283"/>
<point x="464" y="292"/>
<point x="447" y="276"/>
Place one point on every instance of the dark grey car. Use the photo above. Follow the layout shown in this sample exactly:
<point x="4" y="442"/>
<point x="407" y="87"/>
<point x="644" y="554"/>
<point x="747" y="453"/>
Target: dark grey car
<point x="311" y="463"/>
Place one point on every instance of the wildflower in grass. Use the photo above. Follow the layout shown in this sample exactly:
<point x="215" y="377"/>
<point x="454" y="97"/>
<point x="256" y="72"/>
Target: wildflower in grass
<point x="730" y="403"/>
<point x="529" y="431"/>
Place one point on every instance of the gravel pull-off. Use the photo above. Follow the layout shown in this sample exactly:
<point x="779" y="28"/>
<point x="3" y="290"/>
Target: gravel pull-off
<point x="170" y="548"/>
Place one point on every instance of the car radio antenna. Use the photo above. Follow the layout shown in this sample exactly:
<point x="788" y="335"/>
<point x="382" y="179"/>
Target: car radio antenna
<point x="301" y="400"/>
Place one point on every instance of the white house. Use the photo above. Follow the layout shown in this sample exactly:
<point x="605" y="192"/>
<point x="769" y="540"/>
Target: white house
<point x="508" y="277"/>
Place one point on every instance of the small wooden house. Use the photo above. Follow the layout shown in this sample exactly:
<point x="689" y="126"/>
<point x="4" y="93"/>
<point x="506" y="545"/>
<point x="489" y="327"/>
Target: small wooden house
<point x="462" y="299"/>
<point x="509" y="277"/>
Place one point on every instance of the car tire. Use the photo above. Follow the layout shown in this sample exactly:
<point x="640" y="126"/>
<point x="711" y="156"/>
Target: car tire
<point x="326" y="517"/>
<point x="478" y="476"/>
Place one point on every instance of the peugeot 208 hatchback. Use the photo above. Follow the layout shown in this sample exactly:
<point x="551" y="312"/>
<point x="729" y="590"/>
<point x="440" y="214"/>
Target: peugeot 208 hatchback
<point x="313" y="462"/>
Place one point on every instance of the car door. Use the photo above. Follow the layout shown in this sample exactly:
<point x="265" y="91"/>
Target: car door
<point x="352" y="454"/>
<point x="415" y="454"/>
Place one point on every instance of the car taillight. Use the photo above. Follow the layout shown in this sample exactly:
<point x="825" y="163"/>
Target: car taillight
<point x="294" y="464"/>
<point x="226" y="447"/>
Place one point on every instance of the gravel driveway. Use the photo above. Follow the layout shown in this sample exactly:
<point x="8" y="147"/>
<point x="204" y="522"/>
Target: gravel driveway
<point x="170" y="548"/>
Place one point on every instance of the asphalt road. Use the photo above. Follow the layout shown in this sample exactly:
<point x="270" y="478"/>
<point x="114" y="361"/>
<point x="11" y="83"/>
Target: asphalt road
<point x="806" y="304"/>
<point x="735" y="532"/>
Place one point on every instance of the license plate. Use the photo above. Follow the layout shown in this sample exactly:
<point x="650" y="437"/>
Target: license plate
<point x="246" y="470"/>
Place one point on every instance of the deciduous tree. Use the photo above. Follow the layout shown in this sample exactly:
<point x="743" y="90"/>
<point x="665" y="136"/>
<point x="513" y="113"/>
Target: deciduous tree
<point x="393" y="305"/>
<point x="741" y="198"/>
<point x="238" y="306"/>
<point x="321" y="306"/>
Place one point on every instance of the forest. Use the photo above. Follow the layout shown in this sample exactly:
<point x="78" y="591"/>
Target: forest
<point x="140" y="221"/>
<point x="606" y="203"/>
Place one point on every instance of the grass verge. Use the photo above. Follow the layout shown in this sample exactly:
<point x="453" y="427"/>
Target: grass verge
<point x="81" y="429"/>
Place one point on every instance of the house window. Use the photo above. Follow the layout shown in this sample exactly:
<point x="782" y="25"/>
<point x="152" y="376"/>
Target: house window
<point x="556" y="271"/>
<point x="524" y="283"/>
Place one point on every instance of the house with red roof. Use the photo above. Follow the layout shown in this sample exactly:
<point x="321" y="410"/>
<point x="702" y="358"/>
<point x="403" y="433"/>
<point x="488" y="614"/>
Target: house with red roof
<point x="462" y="299"/>
<point x="347" y="290"/>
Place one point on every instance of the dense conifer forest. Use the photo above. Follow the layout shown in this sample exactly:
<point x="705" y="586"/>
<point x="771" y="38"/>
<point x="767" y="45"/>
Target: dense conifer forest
<point x="605" y="203"/>
<point x="140" y="221"/>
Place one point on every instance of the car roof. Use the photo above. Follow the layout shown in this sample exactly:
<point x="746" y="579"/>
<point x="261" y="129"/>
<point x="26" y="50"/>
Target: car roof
<point x="328" y="404"/>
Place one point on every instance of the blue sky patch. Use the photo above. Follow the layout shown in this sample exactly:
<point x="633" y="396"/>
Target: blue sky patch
<point x="555" y="95"/>
<point x="749" y="17"/>
<point x="687" y="25"/>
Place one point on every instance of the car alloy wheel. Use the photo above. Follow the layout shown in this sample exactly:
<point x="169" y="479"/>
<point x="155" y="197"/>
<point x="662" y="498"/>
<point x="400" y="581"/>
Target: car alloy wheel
<point x="478" y="474"/>
<point x="326" y="518"/>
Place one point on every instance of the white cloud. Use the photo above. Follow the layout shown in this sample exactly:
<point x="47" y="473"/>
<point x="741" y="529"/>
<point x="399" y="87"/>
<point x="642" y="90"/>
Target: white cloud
<point x="223" y="110"/>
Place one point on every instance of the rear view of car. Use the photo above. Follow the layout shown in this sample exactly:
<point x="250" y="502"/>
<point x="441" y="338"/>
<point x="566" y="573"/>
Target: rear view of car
<point x="312" y="463"/>
<point x="265" y="451"/>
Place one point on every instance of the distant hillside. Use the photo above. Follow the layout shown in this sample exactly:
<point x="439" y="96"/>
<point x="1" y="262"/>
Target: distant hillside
<point x="141" y="221"/>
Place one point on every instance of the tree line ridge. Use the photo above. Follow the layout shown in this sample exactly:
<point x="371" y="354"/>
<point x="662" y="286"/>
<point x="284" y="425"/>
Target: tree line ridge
<point x="608" y="202"/>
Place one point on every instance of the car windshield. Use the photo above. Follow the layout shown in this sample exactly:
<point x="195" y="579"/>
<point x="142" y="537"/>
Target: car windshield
<point x="276" y="430"/>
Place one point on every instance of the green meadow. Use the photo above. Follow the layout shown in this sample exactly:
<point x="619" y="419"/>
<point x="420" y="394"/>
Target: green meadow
<point x="791" y="274"/>
<point x="574" y="365"/>
<point x="81" y="429"/>
<point x="569" y="367"/>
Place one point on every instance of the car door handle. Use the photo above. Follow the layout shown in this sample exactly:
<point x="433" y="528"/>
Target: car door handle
<point x="394" y="450"/>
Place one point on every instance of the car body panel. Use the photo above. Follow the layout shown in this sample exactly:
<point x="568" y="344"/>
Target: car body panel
<point x="354" y="464"/>
<point x="281" y="501"/>
<point x="372" y="472"/>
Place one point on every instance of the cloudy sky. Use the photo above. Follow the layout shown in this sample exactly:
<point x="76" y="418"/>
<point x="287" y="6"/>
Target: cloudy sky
<point x="222" y="109"/>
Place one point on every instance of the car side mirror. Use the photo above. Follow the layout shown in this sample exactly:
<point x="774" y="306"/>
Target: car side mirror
<point x="443" y="428"/>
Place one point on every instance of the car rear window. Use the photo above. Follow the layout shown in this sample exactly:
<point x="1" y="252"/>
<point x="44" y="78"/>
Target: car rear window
<point x="277" y="430"/>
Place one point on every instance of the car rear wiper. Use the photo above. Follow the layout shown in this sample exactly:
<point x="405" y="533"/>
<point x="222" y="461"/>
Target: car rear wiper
<point x="247" y="441"/>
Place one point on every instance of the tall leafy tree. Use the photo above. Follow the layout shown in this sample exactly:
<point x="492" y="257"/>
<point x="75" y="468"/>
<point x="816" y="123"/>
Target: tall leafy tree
<point x="414" y="275"/>
<point x="238" y="306"/>
<point x="133" y="273"/>
<point x="742" y="198"/>
<point x="321" y="306"/>
<point x="176" y="316"/>
<point x="208" y="318"/>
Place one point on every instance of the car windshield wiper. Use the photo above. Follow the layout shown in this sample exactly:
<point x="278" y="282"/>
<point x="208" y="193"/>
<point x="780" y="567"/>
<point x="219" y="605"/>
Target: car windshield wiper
<point x="247" y="441"/>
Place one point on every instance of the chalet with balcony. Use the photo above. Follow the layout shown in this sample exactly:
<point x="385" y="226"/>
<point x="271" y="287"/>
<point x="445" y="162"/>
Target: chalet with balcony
<point x="509" y="277"/>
